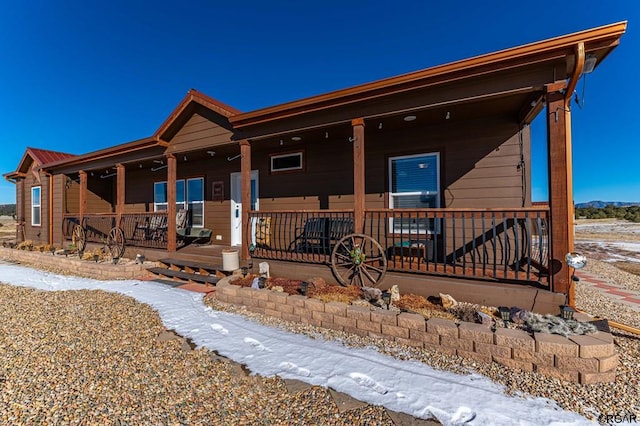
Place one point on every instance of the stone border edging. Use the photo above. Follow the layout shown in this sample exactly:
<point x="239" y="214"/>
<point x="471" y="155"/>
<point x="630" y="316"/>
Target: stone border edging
<point x="581" y="359"/>
<point x="103" y="271"/>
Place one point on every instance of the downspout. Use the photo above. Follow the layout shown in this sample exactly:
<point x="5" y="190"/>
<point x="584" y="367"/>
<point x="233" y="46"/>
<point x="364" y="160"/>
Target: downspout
<point x="573" y="82"/>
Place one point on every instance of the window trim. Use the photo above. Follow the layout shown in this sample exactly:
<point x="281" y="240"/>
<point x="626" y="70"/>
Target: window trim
<point x="299" y="153"/>
<point x="38" y="205"/>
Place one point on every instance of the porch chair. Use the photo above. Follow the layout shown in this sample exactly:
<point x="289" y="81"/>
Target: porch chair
<point x="187" y="234"/>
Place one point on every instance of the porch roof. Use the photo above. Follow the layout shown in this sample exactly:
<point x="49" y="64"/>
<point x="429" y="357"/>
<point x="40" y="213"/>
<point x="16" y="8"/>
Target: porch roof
<point x="534" y="56"/>
<point x="38" y="156"/>
<point x="82" y="161"/>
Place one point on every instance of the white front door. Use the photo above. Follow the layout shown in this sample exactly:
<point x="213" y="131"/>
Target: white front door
<point x="236" y="204"/>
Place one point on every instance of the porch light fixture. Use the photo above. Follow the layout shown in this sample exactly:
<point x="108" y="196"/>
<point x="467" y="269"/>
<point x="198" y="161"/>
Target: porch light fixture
<point x="448" y="116"/>
<point x="304" y="286"/>
<point x="281" y="142"/>
<point x="380" y="126"/>
<point x="505" y="314"/>
<point x="296" y="138"/>
<point x="409" y="117"/>
<point x="140" y="165"/>
<point x="211" y="153"/>
<point x="245" y="271"/>
<point x="326" y="135"/>
<point x="185" y="158"/>
<point x="590" y="62"/>
<point x="566" y="312"/>
<point x="386" y="298"/>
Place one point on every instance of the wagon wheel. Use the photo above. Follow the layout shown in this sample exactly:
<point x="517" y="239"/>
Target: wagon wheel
<point x="115" y="242"/>
<point x="358" y="259"/>
<point x="79" y="238"/>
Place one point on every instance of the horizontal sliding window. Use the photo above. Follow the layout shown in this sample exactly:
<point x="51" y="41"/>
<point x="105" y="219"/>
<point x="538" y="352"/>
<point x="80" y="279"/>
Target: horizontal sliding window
<point x="288" y="162"/>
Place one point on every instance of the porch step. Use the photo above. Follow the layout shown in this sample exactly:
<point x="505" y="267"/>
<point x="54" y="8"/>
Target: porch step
<point x="190" y="266"/>
<point x="185" y="276"/>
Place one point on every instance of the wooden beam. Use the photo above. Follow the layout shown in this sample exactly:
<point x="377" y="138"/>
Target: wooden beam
<point x="83" y="194"/>
<point x="358" y="174"/>
<point x="245" y="188"/>
<point x="560" y="191"/>
<point x="172" y="169"/>
<point x="120" y="191"/>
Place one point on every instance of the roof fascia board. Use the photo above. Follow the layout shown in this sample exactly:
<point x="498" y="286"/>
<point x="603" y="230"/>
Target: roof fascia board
<point x="564" y="45"/>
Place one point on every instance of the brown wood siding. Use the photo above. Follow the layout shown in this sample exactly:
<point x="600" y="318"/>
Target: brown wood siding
<point x="199" y="132"/>
<point x="37" y="234"/>
<point x="100" y="194"/>
<point x="58" y="208"/>
<point x="20" y="208"/>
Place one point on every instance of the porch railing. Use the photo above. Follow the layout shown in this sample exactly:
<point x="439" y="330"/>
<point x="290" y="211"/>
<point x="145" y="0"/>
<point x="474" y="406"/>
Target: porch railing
<point x="504" y="244"/>
<point x="140" y="229"/>
<point x="497" y="244"/>
<point x="297" y="235"/>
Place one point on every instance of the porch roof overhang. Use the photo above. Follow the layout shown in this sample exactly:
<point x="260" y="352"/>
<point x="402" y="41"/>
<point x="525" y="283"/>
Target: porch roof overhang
<point x="142" y="149"/>
<point x="36" y="156"/>
<point x="511" y="80"/>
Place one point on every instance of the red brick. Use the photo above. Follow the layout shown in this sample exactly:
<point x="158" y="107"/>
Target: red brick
<point x="273" y="313"/>
<point x="395" y="331"/>
<point x="322" y="316"/>
<point x="345" y="322"/>
<point x="296" y="300"/>
<point x="369" y="326"/>
<point x="590" y="378"/>
<point x="443" y="327"/>
<point x="512" y="363"/>
<point x="607" y="363"/>
<point x="535" y="357"/>
<point x="314" y="305"/>
<point x="555" y="344"/>
<point x="454" y="342"/>
<point x="591" y="347"/>
<point x="336" y="308"/>
<point x="583" y="365"/>
<point x="490" y="349"/>
<point x="409" y="342"/>
<point x="424" y="337"/>
<point x="384" y="317"/>
<point x="412" y="321"/>
<point x="476" y="332"/>
<point x="360" y="313"/>
<point x="475" y="356"/>
<point x="566" y="375"/>
<point x="514" y="339"/>
<point x="290" y="317"/>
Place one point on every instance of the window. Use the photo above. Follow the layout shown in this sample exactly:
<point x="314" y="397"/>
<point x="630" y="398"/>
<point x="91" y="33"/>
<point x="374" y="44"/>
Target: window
<point x="286" y="162"/>
<point x="35" y="206"/>
<point x="414" y="183"/>
<point x="189" y="195"/>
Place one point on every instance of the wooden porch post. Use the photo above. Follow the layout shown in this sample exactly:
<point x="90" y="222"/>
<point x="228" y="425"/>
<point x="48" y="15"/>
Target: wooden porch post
<point x="172" y="168"/>
<point x="560" y="187"/>
<point x="245" y="179"/>
<point x="358" y="174"/>
<point x="120" y="192"/>
<point x="83" y="194"/>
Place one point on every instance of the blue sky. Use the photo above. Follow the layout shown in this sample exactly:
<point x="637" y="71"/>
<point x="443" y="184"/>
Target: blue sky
<point x="77" y="77"/>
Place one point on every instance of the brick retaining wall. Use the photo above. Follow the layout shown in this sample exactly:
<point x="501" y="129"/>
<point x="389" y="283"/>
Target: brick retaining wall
<point x="100" y="270"/>
<point x="582" y="359"/>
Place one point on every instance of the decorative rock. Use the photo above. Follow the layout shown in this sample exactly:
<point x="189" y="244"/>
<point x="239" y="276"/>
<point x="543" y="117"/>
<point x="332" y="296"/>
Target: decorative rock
<point x="395" y="293"/>
<point x="447" y="301"/>
<point x="371" y="294"/>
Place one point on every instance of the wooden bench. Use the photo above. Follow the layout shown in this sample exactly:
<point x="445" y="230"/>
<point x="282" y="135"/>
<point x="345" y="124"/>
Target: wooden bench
<point x="320" y="234"/>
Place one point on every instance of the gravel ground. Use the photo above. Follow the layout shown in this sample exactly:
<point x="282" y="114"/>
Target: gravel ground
<point x="123" y="374"/>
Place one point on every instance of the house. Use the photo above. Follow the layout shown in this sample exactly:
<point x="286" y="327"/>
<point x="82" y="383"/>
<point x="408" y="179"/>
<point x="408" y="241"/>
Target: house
<point x="422" y="179"/>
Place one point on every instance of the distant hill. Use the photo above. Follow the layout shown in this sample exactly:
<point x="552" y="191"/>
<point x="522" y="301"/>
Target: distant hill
<point x="7" y="209"/>
<point x="603" y="204"/>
